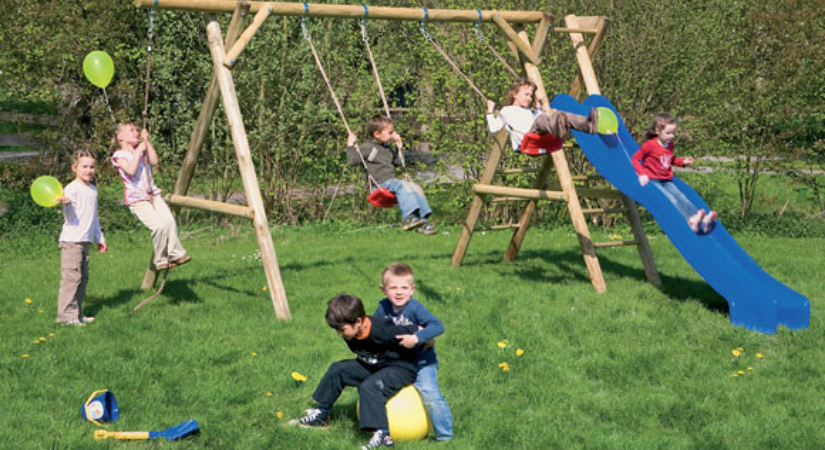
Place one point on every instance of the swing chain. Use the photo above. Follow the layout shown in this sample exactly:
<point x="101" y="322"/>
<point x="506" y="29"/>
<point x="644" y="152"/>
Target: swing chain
<point x="304" y="28"/>
<point x="423" y="26"/>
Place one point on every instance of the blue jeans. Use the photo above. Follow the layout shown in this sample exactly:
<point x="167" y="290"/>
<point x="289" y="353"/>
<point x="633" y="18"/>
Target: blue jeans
<point x="442" y="418"/>
<point x="685" y="207"/>
<point x="410" y="198"/>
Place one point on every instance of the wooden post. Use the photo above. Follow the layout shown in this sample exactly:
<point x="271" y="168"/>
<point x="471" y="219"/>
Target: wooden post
<point x="247" y="169"/>
<point x="241" y="43"/>
<point x="512" y="36"/>
<point x="345" y="11"/>
<point x="502" y="140"/>
<point x="592" y="49"/>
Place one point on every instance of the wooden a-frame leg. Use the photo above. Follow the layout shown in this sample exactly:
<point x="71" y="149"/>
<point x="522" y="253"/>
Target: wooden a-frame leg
<point x="247" y="168"/>
<point x="501" y="141"/>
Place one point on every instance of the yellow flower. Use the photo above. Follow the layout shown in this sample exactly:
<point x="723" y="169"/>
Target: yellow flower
<point x="51" y="334"/>
<point x="269" y="394"/>
<point x="36" y="341"/>
<point x="504" y="367"/>
<point x="616" y="237"/>
<point x="734" y="375"/>
<point x="298" y="377"/>
<point x="502" y="344"/>
<point x="736" y="352"/>
<point x="519" y="352"/>
<point x="759" y="355"/>
<point x="40" y="310"/>
<point x="740" y="349"/>
<point x="25" y="356"/>
<point x="42" y="338"/>
<point x="750" y="368"/>
<point x="254" y="354"/>
<point x="741" y="372"/>
<point x="279" y="415"/>
<point x="28" y="301"/>
<point x="263" y="288"/>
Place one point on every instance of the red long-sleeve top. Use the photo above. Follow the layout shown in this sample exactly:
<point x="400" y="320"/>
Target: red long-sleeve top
<point x="655" y="161"/>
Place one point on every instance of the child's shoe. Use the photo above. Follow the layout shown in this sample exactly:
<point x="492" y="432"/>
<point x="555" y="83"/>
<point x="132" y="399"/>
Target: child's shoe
<point x="412" y="222"/>
<point x="314" y="418"/>
<point x="709" y="222"/>
<point x="74" y="323"/>
<point x="380" y="438"/>
<point x="428" y="228"/>
<point x="87" y="319"/>
<point x="695" y="220"/>
<point x="179" y="262"/>
<point x="593" y="120"/>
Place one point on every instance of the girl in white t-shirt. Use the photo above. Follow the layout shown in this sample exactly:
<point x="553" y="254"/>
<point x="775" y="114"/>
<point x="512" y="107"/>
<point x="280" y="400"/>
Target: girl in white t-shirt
<point x="81" y="229"/>
<point x="133" y="160"/>
<point x="519" y="119"/>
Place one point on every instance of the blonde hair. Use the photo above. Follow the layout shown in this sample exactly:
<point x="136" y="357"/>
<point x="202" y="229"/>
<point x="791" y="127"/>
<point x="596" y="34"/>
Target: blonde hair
<point x="118" y="128"/>
<point x="510" y="97"/>
<point x="397" y="270"/>
<point x="82" y="153"/>
<point x="658" y="123"/>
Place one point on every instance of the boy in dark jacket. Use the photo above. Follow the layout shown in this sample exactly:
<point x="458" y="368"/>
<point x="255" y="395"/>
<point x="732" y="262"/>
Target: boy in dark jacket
<point x="379" y="160"/>
<point x="382" y="367"/>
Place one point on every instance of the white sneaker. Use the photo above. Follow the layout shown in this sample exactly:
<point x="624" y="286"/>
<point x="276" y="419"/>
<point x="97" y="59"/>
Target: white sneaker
<point x="87" y="319"/>
<point x="695" y="220"/>
<point x="708" y="222"/>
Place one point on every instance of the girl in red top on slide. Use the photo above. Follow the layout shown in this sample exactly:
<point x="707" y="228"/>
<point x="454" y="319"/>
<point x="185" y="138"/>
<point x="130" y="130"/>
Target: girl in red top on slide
<point x="653" y="164"/>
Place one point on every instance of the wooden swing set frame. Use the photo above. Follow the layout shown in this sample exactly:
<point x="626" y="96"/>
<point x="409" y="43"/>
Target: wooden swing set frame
<point x="226" y="49"/>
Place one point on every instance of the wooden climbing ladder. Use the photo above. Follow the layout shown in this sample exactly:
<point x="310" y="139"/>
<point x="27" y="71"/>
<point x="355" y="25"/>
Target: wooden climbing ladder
<point x="565" y="188"/>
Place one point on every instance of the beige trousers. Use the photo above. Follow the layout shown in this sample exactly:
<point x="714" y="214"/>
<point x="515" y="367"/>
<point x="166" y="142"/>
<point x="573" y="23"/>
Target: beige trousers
<point x="74" y="275"/>
<point x="155" y="214"/>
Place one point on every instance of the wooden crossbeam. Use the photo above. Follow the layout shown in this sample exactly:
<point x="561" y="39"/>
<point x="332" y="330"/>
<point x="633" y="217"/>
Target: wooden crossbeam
<point x="346" y="11"/>
<point x="209" y="205"/>
<point x="523" y="46"/>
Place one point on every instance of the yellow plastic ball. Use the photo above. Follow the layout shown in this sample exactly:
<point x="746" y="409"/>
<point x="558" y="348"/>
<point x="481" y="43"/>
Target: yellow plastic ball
<point x="407" y="416"/>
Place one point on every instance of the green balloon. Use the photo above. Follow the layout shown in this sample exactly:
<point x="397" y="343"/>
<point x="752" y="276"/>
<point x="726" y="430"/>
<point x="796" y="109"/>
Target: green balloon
<point x="46" y="190"/>
<point x="99" y="68"/>
<point x="608" y="123"/>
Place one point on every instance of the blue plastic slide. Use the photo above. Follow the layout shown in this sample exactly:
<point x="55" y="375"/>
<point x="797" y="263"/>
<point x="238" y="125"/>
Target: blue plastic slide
<point x="757" y="300"/>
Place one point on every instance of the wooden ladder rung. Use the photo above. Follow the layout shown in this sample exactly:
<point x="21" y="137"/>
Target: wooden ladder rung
<point x="604" y="211"/>
<point x="575" y="30"/>
<point x="532" y="194"/>
<point x="614" y="244"/>
<point x="587" y="177"/>
<point x="515" y="171"/>
<point x="505" y="226"/>
<point x="209" y="205"/>
<point x="507" y="199"/>
<point x="592" y="192"/>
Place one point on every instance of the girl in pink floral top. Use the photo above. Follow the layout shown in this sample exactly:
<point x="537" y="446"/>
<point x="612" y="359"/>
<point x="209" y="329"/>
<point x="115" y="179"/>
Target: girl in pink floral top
<point x="133" y="160"/>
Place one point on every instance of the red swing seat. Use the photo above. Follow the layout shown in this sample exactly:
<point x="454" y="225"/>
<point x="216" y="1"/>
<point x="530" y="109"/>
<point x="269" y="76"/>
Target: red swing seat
<point x="535" y="144"/>
<point x="382" y="198"/>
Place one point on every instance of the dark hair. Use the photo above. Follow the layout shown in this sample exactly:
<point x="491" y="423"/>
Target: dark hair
<point x="510" y="97"/>
<point x="377" y="124"/>
<point x="82" y="153"/>
<point x="660" y="120"/>
<point x="397" y="270"/>
<point x="344" y="309"/>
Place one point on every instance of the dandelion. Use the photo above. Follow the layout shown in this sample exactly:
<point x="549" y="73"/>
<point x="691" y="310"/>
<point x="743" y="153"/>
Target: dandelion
<point x="269" y="394"/>
<point x="28" y="301"/>
<point x="298" y="377"/>
<point x="42" y="338"/>
<point x="519" y="352"/>
<point x="734" y="375"/>
<point x="279" y="415"/>
<point x="51" y="334"/>
<point x="741" y="372"/>
<point x="254" y="354"/>
<point x="736" y="352"/>
<point x="36" y="341"/>
<point x="758" y="356"/>
<point x="616" y="237"/>
<point x="750" y="368"/>
<point x="504" y="367"/>
<point x="263" y="288"/>
<point x="502" y="344"/>
<point x="25" y="356"/>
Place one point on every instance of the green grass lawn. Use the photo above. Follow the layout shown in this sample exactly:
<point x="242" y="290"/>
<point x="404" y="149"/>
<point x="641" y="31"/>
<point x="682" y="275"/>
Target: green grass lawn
<point x="634" y="368"/>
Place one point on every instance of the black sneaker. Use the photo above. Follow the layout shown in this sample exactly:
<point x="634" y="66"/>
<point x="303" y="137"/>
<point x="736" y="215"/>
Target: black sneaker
<point x="428" y="228"/>
<point x="379" y="439"/>
<point x="314" y="418"/>
<point x="412" y="222"/>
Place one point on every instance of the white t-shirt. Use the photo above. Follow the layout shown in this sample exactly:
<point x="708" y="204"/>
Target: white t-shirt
<point x="81" y="224"/>
<point x="518" y="121"/>
<point x="139" y="186"/>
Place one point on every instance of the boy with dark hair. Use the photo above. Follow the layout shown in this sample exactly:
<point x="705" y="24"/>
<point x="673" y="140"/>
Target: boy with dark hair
<point x="379" y="161"/>
<point x="382" y="367"/>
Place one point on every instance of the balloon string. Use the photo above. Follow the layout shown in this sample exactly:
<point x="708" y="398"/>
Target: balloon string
<point x="109" y="107"/>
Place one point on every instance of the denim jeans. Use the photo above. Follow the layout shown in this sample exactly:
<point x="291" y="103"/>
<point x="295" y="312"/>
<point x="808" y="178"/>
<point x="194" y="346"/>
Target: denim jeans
<point x="410" y="197"/>
<point x="685" y="207"/>
<point x="427" y="384"/>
